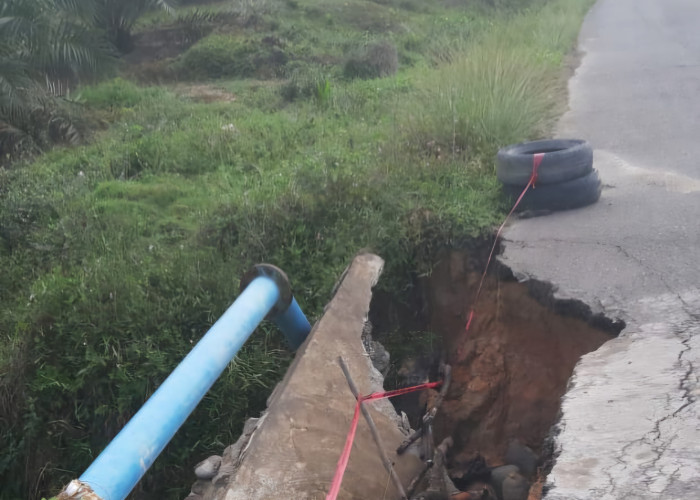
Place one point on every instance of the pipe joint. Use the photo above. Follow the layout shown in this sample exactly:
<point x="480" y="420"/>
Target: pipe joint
<point x="280" y="279"/>
<point x="286" y="313"/>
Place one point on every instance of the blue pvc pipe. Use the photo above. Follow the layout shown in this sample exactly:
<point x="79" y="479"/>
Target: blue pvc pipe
<point x="125" y="460"/>
<point x="293" y="324"/>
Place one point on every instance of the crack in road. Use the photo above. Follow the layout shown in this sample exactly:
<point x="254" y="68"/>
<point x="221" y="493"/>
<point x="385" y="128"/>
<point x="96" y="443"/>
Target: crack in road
<point x="654" y="440"/>
<point x="684" y="386"/>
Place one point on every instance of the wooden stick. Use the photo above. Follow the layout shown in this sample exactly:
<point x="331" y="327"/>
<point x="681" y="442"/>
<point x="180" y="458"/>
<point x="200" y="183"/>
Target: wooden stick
<point x="388" y="464"/>
<point x="409" y="441"/>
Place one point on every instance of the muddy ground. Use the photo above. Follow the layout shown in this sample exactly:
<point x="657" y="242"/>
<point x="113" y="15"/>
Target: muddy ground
<point x="510" y="369"/>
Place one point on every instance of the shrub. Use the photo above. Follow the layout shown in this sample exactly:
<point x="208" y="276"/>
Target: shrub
<point x="304" y="82"/>
<point x="378" y="59"/>
<point x="490" y="97"/>
<point x="218" y="56"/>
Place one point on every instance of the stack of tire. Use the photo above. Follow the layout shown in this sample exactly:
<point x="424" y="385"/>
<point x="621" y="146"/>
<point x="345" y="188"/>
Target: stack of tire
<point x="566" y="178"/>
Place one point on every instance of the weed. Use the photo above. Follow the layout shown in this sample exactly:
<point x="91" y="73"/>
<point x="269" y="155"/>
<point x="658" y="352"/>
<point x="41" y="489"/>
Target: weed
<point x="323" y="92"/>
<point x="491" y="97"/>
<point x="117" y="93"/>
<point x="219" y="55"/>
<point x="498" y="91"/>
<point x="376" y="60"/>
<point x="304" y="81"/>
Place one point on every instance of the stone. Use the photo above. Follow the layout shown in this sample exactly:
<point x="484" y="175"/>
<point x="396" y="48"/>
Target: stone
<point x="515" y="487"/>
<point x="522" y="456"/>
<point x="207" y="469"/>
<point x="380" y="357"/>
<point x="499" y="475"/>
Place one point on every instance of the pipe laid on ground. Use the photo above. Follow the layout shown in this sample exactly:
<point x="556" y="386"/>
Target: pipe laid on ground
<point x="125" y="460"/>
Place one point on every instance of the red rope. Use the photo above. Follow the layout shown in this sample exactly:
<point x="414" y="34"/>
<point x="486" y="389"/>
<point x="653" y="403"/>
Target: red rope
<point x="536" y="161"/>
<point x="345" y="455"/>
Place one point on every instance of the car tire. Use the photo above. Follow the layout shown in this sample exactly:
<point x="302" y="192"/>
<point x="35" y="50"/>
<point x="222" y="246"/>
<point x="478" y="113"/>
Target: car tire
<point x="563" y="196"/>
<point x="563" y="160"/>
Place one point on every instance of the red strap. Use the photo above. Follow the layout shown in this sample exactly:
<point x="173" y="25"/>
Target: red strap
<point x="536" y="161"/>
<point x="345" y="455"/>
<point x="399" y="392"/>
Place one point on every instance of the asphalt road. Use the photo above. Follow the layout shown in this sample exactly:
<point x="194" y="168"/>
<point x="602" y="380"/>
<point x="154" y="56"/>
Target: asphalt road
<point x="631" y="423"/>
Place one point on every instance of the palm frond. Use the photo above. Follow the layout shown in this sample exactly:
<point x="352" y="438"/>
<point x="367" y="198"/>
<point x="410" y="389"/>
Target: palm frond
<point x="46" y="46"/>
<point x="166" y="5"/>
<point x="83" y="8"/>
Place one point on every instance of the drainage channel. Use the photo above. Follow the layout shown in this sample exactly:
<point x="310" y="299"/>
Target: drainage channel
<point x="509" y="372"/>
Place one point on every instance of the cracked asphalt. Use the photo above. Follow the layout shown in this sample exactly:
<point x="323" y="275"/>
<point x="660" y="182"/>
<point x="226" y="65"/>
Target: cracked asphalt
<point x="630" y="426"/>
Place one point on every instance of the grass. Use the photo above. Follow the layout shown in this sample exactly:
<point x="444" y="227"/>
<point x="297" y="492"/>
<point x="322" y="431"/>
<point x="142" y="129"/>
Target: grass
<point x="118" y="255"/>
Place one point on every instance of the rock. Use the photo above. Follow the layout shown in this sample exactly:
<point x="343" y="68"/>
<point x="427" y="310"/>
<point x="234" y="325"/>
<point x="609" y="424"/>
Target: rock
<point x="499" y="475"/>
<point x="380" y="357"/>
<point x="207" y="469"/>
<point x="480" y="491"/>
<point x="522" y="456"/>
<point x="515" y="487"/>
<point x="471" y="469"/>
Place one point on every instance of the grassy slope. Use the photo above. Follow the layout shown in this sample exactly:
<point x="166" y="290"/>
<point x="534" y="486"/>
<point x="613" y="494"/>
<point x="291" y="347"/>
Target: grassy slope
<point x="116" y="256"/>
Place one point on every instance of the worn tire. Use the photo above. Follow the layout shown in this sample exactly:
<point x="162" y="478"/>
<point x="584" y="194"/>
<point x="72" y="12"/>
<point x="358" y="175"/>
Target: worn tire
<point x="564" y="160"/>
<point x="563" y="196"/>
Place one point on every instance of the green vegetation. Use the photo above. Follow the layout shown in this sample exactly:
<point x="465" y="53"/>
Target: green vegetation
<point x="377" y="60"/>
<point x="45" y="46"/>
<point x="119" y="254"/>
<point x="219" y="56"/>
<point x="116" y="18"/>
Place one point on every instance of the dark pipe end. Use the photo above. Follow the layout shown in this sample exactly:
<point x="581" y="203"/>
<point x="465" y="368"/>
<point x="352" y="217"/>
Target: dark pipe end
<point x="280" y="279"/>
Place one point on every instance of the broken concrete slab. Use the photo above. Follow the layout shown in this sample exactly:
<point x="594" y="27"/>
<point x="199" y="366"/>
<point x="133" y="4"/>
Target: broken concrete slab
<point x="294" y="449"/>
<point x="629" y="426"/>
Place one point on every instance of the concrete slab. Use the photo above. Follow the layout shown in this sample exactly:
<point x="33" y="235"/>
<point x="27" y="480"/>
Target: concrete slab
<point x="294" y="449"/>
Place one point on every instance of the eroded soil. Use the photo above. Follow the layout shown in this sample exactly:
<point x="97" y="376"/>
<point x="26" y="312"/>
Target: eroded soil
<point x="510" y="369"/>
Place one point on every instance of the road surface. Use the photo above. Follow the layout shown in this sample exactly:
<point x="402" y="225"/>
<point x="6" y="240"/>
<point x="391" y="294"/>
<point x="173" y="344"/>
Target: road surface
<point x="630" y="426"/>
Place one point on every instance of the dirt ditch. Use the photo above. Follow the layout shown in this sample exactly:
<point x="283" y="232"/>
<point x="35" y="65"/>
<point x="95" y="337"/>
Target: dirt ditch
<point x="509" y="371"/>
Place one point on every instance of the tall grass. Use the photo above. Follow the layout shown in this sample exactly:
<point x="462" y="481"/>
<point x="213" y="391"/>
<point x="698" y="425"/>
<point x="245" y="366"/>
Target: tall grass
<point x="489" y="97"/>
<point x="505" y="88"/>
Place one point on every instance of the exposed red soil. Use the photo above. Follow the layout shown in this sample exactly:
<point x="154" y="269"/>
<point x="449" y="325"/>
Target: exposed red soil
<point x="512" y="367"/>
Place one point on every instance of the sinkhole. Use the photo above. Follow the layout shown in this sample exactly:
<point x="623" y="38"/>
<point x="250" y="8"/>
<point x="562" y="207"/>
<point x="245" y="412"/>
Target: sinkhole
<point x="509" y="371"/>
